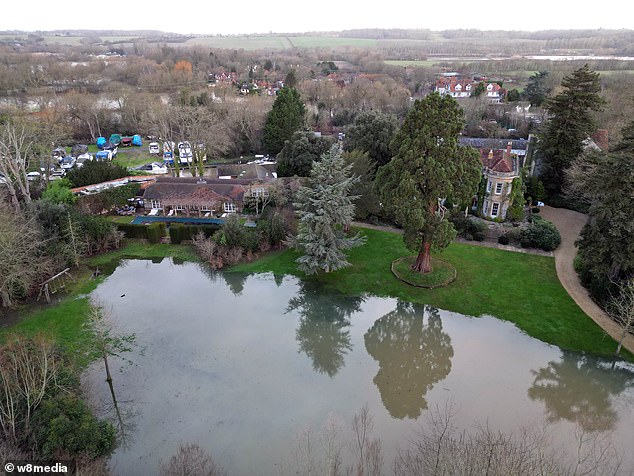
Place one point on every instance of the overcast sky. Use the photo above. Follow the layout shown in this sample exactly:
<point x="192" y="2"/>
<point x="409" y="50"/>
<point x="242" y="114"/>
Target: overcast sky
<point x="283" y="16"/>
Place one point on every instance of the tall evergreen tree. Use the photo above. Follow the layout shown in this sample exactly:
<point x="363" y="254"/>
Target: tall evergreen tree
<point x="428" y="167"/>
<point x="298" y="153"/>
<point x="285" y="117"/>
<point x="324" y="207"/>
<point x="606" y="249"/>
<point x="572" y="122"/>
<point x="536" y="90"/>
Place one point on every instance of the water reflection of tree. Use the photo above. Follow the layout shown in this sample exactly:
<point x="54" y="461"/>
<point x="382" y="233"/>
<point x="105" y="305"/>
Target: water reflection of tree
<point x="235" y="281"/>
<point x="324" y="319"/>
<point x="578" y="389"/>
<point x="413" y="354"/>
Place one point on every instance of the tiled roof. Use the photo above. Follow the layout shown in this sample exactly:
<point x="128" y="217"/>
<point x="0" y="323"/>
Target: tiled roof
<point x="496" y="160"/>
<point x="192" y="193"/>
<point x="480" y="143"/>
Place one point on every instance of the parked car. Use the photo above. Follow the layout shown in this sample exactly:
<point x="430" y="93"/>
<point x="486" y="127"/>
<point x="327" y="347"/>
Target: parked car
<point x="154" y="148"/>
<point x="185" y="152"/>
<point x="103" y="155"/>
<point x="78" y="149"/>
<point x="29" y="176"/>
<point x="58" y="153"/>
<point x="67" y="162"/>
<point x="153" y="168"/>
<point x="81" y="159"/>
<point x="168" y="157"/>
<point x="126" y="141"/>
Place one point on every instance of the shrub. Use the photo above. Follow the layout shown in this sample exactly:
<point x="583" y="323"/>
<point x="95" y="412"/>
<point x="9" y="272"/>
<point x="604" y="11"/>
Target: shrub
<point x="155" y="232"/>
<point x="176" y="233"/>
<point x="503" y="240"/>
<point x="535" y="210"/>
<point x="65" y="425"/>
<point x="133" y="231"/>
<point x="95" y="171"/>
<point x="467" y="227"/>
<point x="479" y="236"/>
<point x="540" y="234"/>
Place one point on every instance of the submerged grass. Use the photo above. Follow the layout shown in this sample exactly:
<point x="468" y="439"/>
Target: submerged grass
<point x="516" y="287"/>
<point x="64" y="320"/>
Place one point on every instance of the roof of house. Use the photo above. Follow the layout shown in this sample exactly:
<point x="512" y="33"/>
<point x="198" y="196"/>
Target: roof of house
<point x="517" y="145"/>
<point x="193" y="192"/>
<point x="496" y="160"/>
<point x="245" y="171"/>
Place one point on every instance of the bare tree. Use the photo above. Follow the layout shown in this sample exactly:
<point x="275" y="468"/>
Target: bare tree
<point x="15" y="156"/>
<point x="191" y="460"/>
<point x="621" y="309"/>
<point x="22" y="259"/>
<point x="28" y="368"/>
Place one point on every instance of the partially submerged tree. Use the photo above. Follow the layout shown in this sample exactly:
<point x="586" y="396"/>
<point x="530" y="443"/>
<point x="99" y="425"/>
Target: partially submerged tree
<point x="429" y="166"/>
<point x="324" y="207"/>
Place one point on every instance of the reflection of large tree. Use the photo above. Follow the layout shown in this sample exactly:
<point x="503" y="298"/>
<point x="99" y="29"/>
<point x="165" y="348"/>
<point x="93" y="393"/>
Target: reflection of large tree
<point x="413" y="354"/>
<point x="578" y="389"/>
<point x="323" y="333"/>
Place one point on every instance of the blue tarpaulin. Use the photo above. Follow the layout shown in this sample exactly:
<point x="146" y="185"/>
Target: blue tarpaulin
<point x="136" y="140"/>
<point x="101" y="141"/>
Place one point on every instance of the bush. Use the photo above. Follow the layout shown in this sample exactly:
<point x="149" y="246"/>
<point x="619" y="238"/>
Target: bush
<point x="95" y="171"/>
<point x="503" y="240"/>
<point x="176" y="233"/>
<point x="479" y="236"/>
<point x="65" y="425"/>
<point x="155" y="232"/>
<point x="540" y="234"/>
<point x="535" y="210"/>
<point x="468" y="228"/>
<point x="133" y="231"/>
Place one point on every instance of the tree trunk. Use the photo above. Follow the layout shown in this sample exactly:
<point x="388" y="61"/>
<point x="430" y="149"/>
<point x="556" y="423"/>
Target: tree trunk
<point x="423" y="260"/>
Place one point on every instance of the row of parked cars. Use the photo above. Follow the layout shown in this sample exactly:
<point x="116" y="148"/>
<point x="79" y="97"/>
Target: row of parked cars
<point x="184" y="150"/>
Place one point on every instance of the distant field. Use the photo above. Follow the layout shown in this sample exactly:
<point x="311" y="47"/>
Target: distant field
<point x="412" y="63"/>
<point x="277" y="42"/>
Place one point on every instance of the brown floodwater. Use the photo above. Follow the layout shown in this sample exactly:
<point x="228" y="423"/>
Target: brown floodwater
<point x="245" y="365"/>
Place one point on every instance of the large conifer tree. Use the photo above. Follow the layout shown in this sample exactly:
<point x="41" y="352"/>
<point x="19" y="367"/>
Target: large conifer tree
<point x="428" y="167"/>
<point x="324" y="207"/>
<point x="285" y="117"/>
<point x="572" y="122"/>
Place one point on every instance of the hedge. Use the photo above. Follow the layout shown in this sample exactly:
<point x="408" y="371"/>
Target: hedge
<point x="153" y="232"/>
<point x="180" y="232"/>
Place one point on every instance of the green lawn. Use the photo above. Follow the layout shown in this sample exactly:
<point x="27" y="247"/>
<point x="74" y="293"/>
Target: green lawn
<point x="133" y="158"/>
<point x="517" y="287"/>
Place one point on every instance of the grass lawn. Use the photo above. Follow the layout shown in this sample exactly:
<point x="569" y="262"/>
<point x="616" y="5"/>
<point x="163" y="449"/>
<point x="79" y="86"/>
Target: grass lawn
<point x="64" y="321"/>
<point x="520" y="288"/>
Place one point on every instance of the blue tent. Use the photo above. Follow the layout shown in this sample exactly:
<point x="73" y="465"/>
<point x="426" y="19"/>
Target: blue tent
<point x="136" y="140"/>
<point x="101" y="141"/>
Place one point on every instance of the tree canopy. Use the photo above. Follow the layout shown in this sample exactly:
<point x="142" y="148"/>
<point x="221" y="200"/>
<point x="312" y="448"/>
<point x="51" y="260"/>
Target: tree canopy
<point x="298" y="154"/>
<point x="285" y="117"/>
<point x="606" y="182"/>
<point x="372" y="132"/>
<point x="536" y="90"/>
<point x="572" y="122"/>
<point x="324" y="207"/>
<point x="429" y="166"/>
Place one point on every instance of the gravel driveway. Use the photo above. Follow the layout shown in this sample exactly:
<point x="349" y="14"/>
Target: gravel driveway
<point x="569" y="224"/>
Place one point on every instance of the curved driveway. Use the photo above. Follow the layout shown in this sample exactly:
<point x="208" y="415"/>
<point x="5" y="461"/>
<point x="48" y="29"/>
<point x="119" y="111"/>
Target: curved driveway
<point x="569" y="224"/>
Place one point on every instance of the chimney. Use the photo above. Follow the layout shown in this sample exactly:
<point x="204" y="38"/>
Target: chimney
<point x="509" y="146"/>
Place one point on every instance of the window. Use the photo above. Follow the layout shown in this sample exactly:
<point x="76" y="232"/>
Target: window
<point x="179" y="207"/>
<point x="260" y="192"/>
<point x="488" y="186"/>
<point x="486" y="207"/>
<point x="498" y="188"/>
<point x="494" y="211"/>
<point x="156" y="204"/>
<point x="229" y="207"/>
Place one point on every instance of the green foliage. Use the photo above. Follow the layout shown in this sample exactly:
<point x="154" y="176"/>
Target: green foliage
<point x="285" y="117"/>
<point x="233" y="231"/>
<point x="515" y="211"/>
<point x="155" y="231"/>
<point x="467" y="227"/>
<point x="540" y="234"/>
<point x="536" y="90"/>
<point x="571" y="123"/>
<point x="95" y="171"/>
<point x="534" y="189"/>
<point x="479" y="89"/>
<point x="323" y="207"/>
<point x="59" y="192"/>
<point x="133" y="231"/>
<point x="109" y="199"/>
<point x="513" y="95"/>
<point x="275" y="229"/>
<point x="180" y="232"/>
<point x="606" y="248"/>
<point x="364" y="168"/>
<point x="503" y="240"/>
<point x="65" y="425"/>
<point x="298" y="153"/>
<point x="429" y="165"/>
<point x="372" y="132"/>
